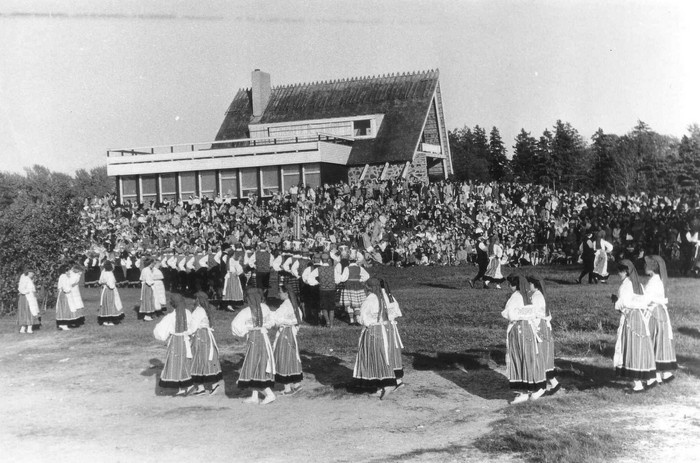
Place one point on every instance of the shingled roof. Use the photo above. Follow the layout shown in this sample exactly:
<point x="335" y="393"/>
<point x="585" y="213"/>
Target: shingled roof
<point x="404" y="99"/>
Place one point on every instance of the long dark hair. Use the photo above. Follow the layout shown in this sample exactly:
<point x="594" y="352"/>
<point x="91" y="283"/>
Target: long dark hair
<point x="522" y="284"/>
<point x="385" y="285"/>
<point x="202" y="300"/>
<point x="254" y="298"/>
<point x="628" y="267"/>
<point x="178" y="303"/>
<point x="373" y="286"/>
<point x="294" y="300"/>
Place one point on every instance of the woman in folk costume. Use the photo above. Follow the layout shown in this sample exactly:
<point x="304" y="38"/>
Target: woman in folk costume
<point x="258" y="370"/>
<point x="27" y="306"/>
<point x="493" y="271"/>
<point x="75" y="274"/>
<point x="173" y="330"/>
<point x="395" y="343"/>
<point x="600" y="263"/>
<point x="353" y="295"/>
<point x="660" y="323"/>
<point x="286" y="348"/>
<point x="525" y="367"/>
<point x="206" y="369"/>
<point x="544" y="331"/>
<point x="159" y="298"/>
<point x="111" y="310"/>
<point x="373" y="366"/>
<point x="233" y="291"/>
<point x="68" y="315"/>
<point x="634" y="351"/>
<point x="148" y="300"/>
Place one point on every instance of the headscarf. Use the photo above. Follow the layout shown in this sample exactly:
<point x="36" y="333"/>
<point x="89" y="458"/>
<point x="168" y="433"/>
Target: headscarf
<point x="632" y="275"/>
<point x="178" y="303"/>
<point x="539" y="285"/>
<point x="202" y="300"/>
<point x="384" y="284"/>
<point x="657" y="265"/>
<point x="493" y="241"/>
<point x="374" y="286"/>
<point x="254" y="297"/>
<point x="294" y="300"/>
<point x="523" y="287"/>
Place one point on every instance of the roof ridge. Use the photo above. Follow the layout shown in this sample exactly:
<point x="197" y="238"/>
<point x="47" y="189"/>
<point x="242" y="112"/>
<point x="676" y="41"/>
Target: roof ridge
<point x="425" y="72"/>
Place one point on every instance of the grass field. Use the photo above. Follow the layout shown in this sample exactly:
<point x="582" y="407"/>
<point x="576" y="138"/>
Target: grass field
<point x="91" y="394"/>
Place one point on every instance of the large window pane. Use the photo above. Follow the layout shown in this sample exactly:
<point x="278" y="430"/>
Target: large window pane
<point x="207" y="183"/>
<point x="149" y="189"/>
<point x="292" y="176"/>
<point x="168" y="188"/>
<point x="188" y="185"/>
<point x="229" y="183"/>
<point x="270" y="180"/>
<point x="129" y="189"/>
<point x="312" y="175"/>
<point x="249" y="181"/>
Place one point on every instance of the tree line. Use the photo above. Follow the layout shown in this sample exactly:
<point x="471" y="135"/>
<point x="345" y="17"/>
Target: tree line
<point x="641" y="160"/>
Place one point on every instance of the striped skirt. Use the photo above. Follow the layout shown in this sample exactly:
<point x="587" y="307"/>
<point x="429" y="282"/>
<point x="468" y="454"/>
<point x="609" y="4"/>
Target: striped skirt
<point x="395" y="349"/>
<point x="353" y="295"/>
<point x="373" y="368"/>
<point x="64" y="316"/>
<point x="286" y="352"/>
<point x="258" y="370"/>
<point x="662" y="339"/>
<point x="233" y="291"/>
<point x="546" y="347"/>
<point x="24" y="315"/>
<point x="148" y="302"/>
<point x="110" y="306"/>
<point x="205" y="357"/>
<point x="177" y="368"/>
<point x="636" y="348"/>
<point x="525" y="366"/>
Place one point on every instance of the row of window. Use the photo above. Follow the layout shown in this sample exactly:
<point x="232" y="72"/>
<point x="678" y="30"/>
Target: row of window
<point x="234" y="183"/>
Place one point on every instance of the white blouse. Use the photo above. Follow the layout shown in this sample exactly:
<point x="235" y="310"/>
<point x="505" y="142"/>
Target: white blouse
<point x="243" y="322"/>
<point x="166" y="326"/>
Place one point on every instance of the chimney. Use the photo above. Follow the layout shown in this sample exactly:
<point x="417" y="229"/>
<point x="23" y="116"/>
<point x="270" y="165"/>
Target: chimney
<point x="261" y="91"/>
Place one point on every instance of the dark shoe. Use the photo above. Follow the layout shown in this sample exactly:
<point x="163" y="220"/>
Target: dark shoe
<point x="214" y="388"/>
<point x="554" y="390"/>
<point x="669" y="379"/>
<point x="652" y="385"/>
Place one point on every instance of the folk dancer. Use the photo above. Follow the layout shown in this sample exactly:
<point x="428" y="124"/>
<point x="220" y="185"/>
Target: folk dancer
<point x="395" y="343"/>
<point x="660" y="322"/>
<point x="261" y="260"/>
<point x="111" y="310"/>
<point x="27" y="306"/>
<point x="75" y="274"/>
<point x="233" y="291"/>
<point x="493" y="272"/>
<point x="67" y="314"/>
<point x="482" y="260"/>
<point x="258" y="370"/>
<point x="373" y="368"/>
<point x="148" y="301"/>
<point x="587" y="257"/>
<point x="287" y="318"/>
<point x="525" y="368"/>
<point x="173" y="330"/>
<point x="354" y="294"/>
<point x="544" y="331"/>
<point x="206" y="369"/>
<point x="634" y="352"/>
<point x="600" y="266"/>
<point x="159" y="298"/>
<point x="327" y="278"/>
<point x="309" y="278"/>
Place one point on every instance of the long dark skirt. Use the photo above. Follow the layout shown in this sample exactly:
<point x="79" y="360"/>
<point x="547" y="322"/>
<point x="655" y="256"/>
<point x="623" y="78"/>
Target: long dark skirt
<point x="206" y="367"/>
<point x="372" y="366"/>
<point x="636" y="347"/>
<point x="395" y="350"/>
<point x="64" y="316"/>
<point x="287" y="361"/>
<point x="177" y="368"/>
<point x="525" y="366"/>
<point x="546" y="347"/>
<point x="24" y="315"/>
<point x="664" y="349"/>
<point x="148" y="302"/>
<point x="258" y="370"/>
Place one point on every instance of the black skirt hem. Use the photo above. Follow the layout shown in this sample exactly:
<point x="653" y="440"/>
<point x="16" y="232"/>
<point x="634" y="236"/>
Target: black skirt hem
<point x="523" y="386"/>
<point x="255" y="384"/>
<point x="289" y="379"/>
<point x="635" y="375"/>
<point x="494" y="280"/>
<point x="110" y="318"/>
<point x="398" y="374"/>
<point x="204" y="379"/>
<point x="174" y="384"/>
<point x="75" y="323"/>
<point x="666" y="366"/>
<point x="373" y="383"/>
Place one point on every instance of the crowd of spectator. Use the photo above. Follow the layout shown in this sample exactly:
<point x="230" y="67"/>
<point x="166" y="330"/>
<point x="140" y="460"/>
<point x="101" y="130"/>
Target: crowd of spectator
<point x="395" y="223"/>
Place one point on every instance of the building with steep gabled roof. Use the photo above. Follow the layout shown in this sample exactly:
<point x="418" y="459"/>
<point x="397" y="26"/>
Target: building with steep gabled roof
<point x="382" y="127"/>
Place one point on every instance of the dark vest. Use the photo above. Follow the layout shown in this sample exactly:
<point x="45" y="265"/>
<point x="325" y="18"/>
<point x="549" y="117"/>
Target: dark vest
<point x="262" y="262"/>
<point x="354" y="273"/>
<point x="481" y="256"/>
<point x="326" y="278"/>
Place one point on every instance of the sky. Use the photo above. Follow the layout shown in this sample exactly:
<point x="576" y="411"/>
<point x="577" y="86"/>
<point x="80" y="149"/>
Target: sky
<point x="78" y="78"/>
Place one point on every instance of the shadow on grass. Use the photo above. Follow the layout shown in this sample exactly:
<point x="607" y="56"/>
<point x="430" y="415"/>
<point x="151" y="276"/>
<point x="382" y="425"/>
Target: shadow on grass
<point x="692" y="332"/>
<point x="440" y="286"/>
<point x="472" y="370"/>
<point x="561" y="281"/>
<point x="230" y="370"/>
<point x="154" y="369"/>
<point x="326" y="369"/>
<point x="584" y="376"/>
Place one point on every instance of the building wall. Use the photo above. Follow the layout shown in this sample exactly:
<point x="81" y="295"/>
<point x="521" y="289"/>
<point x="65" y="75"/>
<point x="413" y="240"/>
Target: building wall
<point x="418" y="169"/>
<point x="430" y="131"/>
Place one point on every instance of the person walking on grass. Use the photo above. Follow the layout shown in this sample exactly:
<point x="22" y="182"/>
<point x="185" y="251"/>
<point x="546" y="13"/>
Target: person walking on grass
<point x="493" y="272"/>
<point x="373" y="366"/>
<point x="525" y="367"/>
<point x="587" y="258"/>
<point x="634" y="351"/>
<point x="173" y="330"/>
<point x="394" y="339"/>
<point x="258" y="370"/>
<point x="206" y="368"/>
<point x="148" y="301"/>
<point x="27" y="306"/>
<point x="68" y="314"/>
<point x="545" y="343"/>
<point x="600" y="263"/>
<point x="287" y="318"/>
<point x="482" y="260"/>
<point x="111" y="310"/>
<point x="660" y="323"/>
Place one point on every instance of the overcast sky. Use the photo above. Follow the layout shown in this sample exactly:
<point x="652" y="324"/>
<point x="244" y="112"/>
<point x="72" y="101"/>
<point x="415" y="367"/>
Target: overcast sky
<point x="80" y="77"/>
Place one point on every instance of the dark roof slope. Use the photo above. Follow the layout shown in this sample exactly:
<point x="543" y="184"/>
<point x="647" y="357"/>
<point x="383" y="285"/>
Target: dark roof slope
<point x="404" y="100"/>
